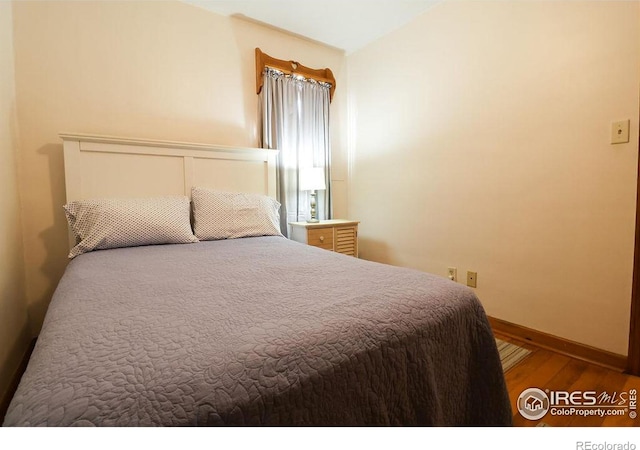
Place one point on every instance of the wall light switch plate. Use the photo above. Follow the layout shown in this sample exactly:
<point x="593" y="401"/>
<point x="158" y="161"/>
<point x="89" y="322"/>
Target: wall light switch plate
<point x="620" y="132"/>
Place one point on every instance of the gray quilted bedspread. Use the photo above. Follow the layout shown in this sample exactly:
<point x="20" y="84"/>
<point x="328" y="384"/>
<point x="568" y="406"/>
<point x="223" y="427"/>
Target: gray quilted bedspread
<point x="258" y="331"/>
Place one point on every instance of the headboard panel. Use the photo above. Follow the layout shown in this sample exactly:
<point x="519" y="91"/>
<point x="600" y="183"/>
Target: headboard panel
<point x="104" y="166"/>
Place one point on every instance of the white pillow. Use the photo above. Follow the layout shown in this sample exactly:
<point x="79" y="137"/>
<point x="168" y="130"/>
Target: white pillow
<point x="112" y="223"/>
<point x="230" y="215"/>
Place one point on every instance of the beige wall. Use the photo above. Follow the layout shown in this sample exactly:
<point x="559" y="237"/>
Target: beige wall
<point x="479" y="138"/>
<point x="160" y="70"/>
<point x="14" y="330"/>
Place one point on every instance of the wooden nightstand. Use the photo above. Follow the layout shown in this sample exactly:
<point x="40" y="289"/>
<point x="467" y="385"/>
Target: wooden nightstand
<point x="337" y="235"/>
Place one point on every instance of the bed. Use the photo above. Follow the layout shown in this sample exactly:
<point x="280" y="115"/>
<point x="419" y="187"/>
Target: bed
<point x="248" y="331"/>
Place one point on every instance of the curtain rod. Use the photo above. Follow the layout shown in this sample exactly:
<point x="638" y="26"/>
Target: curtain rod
<point x="291" y="68"/>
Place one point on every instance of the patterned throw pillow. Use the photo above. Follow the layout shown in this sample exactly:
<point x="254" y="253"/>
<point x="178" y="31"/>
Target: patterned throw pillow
<point x="229" y="215"/>
<point x="112" y="223"/>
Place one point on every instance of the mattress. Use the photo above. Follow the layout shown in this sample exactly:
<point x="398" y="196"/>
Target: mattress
<point x="258" y="331"/>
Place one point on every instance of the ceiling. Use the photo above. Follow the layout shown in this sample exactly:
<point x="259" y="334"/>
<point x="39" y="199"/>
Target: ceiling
<point x="345" y="24"/>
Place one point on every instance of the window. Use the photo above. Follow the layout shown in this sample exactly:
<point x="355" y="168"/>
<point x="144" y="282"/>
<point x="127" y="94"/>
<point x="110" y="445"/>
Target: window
<point x="294" y="105"/>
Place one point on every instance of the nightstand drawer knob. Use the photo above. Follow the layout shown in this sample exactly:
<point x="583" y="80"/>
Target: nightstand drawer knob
<point x="321" y="238"/>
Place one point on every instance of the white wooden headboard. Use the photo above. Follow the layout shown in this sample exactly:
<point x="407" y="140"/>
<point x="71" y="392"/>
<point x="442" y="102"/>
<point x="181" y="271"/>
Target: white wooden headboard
<point x="112" y="167"/>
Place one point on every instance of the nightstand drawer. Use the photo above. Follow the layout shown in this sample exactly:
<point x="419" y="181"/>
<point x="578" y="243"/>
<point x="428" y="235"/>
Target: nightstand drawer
<point x="340" y="236"/>
<point x="320" y="237"/>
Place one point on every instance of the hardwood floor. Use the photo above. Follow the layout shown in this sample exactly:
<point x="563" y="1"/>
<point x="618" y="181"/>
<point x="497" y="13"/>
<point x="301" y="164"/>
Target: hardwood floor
<point x="545" y="369"/>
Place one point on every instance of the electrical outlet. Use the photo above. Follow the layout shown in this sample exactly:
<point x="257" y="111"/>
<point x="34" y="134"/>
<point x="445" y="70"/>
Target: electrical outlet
<point x="452" y="273"/>
<point x="472" y="279"/>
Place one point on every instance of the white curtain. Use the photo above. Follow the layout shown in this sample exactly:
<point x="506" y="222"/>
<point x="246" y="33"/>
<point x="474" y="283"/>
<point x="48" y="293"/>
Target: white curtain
<point x="295" y="120"/>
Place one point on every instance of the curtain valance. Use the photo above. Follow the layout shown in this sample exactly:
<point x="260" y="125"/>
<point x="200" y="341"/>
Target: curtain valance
<point x="292" y="68"/>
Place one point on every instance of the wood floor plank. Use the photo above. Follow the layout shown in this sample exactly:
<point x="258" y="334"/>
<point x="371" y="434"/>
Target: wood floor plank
<point x="592" y="379"/>
<point x="561" y="381"/>
<point x="548" y="365"/>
